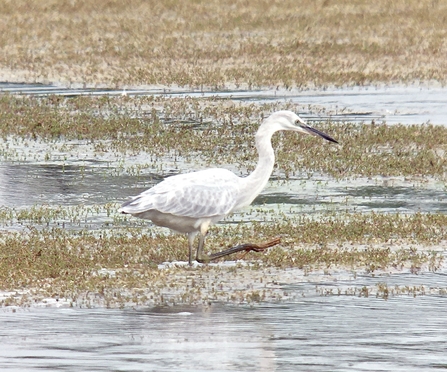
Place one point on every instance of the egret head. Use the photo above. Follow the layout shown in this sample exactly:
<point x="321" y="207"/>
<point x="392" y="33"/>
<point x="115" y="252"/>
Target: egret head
<point x="288" y="120"/>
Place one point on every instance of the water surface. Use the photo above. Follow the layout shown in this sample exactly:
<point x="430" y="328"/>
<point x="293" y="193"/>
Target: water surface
<point x="324" y="322"/>
<point x="391" y="104"/>
<point x="334" y="333"/>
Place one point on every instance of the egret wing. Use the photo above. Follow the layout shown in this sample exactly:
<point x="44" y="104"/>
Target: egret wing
<point x="208" y="193"/>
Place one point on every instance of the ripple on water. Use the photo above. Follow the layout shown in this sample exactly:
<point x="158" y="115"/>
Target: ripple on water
<point x="318" y="334"/>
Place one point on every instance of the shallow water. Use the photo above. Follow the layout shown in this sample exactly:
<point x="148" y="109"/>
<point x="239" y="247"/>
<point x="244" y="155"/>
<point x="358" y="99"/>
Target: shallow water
<point x="332" y="333"/>
<point x="390" y="104"/>
<point x="311" y="328"/>
<point x="26" y="185"/>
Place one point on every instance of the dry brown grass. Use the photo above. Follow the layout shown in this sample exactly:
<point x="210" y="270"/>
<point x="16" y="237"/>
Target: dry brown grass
<point x="221" y="133"/>
<point x="119" y="266"/>
<point x="223" y="43"/>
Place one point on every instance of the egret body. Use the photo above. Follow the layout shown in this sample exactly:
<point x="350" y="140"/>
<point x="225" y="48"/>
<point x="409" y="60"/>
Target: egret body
<point x="190" y="203"/>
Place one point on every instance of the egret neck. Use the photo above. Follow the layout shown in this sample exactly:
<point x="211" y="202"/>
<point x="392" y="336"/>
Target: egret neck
<point x="256" y="181"/>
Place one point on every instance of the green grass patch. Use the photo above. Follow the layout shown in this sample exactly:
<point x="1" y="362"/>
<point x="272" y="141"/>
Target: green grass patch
<point x="219" y="132"/>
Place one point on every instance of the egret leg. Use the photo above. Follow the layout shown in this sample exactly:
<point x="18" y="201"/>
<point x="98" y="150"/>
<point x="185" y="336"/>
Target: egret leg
<point x="202" y="257"/>
<point x="190" y="244"/>
<point x="248" y="247"/>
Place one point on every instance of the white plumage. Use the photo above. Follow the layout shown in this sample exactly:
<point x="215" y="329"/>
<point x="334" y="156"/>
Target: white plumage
<point x="189" y="203"/>
<point x="211" y="192"/>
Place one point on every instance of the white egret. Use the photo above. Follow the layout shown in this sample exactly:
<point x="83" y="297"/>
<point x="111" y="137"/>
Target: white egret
<point x="190" y="203"/>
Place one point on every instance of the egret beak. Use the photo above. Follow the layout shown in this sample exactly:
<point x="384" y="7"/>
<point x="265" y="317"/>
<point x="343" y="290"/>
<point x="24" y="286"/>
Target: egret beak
<point x="316" y="132"/>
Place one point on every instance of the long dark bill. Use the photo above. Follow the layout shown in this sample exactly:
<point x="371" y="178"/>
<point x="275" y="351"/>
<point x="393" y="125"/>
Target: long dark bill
<point x="316" y="132"/>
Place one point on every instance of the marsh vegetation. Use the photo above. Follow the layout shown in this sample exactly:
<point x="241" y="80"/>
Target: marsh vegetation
<point x="216" y="44"/>
<point x="51" y="251"/>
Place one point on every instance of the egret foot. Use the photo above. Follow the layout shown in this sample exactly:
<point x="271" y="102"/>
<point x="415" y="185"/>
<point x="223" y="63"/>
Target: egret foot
<point x="248" y="247"/>
<point x="203" y="259"/>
